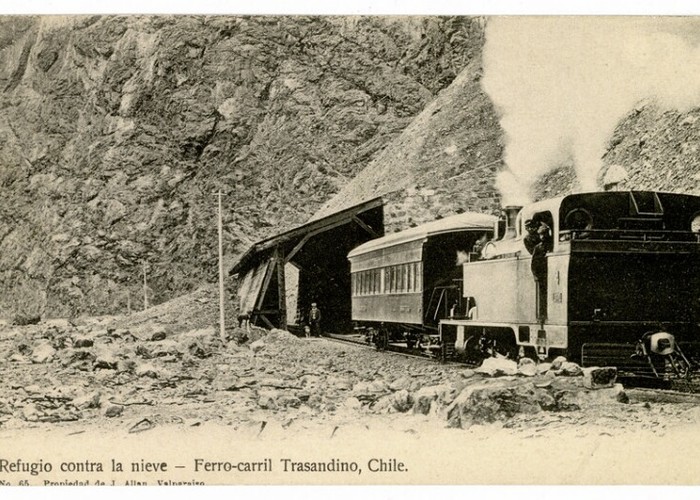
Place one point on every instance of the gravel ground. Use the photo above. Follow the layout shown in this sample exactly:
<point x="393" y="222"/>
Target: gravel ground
<point x="137" y="373"/>
<point x="162" y="381"/>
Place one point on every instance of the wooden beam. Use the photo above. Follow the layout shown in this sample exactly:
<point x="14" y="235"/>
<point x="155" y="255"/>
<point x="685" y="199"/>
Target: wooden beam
<point x="313" y="233"/>
<point x="365" y="226"/>
<point x="266" y="321"/>
<point x="313" y="227"/>
<point x="281" y="288"/>
<point x="298" y="247"/>
<point x="266" y="283"/>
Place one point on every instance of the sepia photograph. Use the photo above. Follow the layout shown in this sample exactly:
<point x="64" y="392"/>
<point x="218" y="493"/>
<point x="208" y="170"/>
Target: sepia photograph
<point x="349" y="250"/>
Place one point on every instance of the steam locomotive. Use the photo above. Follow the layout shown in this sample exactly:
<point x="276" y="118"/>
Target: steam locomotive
<point x="604" y="278"/>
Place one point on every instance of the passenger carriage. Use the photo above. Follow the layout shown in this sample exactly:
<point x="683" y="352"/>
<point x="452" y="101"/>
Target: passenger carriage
<point x="403" y="284"/>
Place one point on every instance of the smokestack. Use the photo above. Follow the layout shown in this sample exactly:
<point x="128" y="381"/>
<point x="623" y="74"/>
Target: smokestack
<point x="511" y="212"/>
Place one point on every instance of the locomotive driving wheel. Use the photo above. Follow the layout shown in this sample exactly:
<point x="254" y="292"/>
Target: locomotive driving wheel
<point x="490" y="344"/>
<point x="473" y="354"/>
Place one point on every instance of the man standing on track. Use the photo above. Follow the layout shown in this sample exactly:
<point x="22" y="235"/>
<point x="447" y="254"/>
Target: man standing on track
<point x="315" y="320"/>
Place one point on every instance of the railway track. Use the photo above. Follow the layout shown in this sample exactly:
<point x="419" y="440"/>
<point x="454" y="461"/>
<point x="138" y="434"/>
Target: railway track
<point x="675" y="389"/>
<point x="392" y="349"/>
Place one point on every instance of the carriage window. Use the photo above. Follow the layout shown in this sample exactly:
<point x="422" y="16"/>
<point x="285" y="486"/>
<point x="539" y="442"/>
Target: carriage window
<point x="419" y="276"/>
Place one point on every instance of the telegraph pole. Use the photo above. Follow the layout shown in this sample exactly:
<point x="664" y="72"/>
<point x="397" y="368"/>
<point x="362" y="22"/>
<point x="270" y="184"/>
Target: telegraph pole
<point x="145" y="288"/>
<point x="222" y="328"/>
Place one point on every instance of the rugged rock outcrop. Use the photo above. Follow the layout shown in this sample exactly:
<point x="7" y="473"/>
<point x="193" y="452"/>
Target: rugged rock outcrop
<point x="117" y="130"/>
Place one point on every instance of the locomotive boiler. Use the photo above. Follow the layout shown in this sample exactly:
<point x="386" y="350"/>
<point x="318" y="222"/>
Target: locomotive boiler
<point x="605" y="278"/>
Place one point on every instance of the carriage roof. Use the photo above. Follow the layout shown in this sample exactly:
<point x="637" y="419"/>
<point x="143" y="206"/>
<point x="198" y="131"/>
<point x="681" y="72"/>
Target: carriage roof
<point x="468" y="221"/>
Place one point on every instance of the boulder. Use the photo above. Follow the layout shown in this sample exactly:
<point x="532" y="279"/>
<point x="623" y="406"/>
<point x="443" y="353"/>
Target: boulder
<point x="401" y="401"/>
<point x="487" y="403"/>
<point x="114" y="411"/>
<point x="599" y="377"/>
<point x="569" y="369"/>
<point x="267" y="399"/>
<point x="543" y="368"/>
<point x="106" y="360"/>
<point x="89" y="400"/>
<point x="527" y="367"/>
<point x="126" y="366"/>
<point x="340" y="383"/>
<point x="30" y="412"/>
<point x="257" y="346"/>
<point x="158" y="335"/>
<point x="121" y="333"/>
<point x="558" y="361"/>
<point x="83" y="360"/>
<point x="352" y="403"/>
<point x="428" y="399"/>
<point x="197" y="349"/>
<point x="26" y="319"/>
<point x="164" y="348"/>
<point x="496" y="367"/>
<point x="574" y="399"/>
<point x="82" y="342"/>
<point x="5" y="408"/>
<point x="146" y="370"/>
<point x="370" y="391"/>
<point x="144" y="352"/>
<point x="43" y="353"/>
<point x="288" y="401"/>
<point x="400" y="383"/>
<point x="303" y="395"/>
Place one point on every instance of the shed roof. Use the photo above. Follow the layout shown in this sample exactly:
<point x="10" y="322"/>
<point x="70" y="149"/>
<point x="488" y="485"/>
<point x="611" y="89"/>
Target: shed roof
<point x="296" y="235"/>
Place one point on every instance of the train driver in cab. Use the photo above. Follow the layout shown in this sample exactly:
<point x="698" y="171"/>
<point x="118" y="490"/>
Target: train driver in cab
<point x="538" y="234"/>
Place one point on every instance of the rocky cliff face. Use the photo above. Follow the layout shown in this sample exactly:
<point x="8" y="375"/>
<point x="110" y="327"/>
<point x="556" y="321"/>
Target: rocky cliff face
<point x="116" y="132"/>
<point x="444" y="163"/>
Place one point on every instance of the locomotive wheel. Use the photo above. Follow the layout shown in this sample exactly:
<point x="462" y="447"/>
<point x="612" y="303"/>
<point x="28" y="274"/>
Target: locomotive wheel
<point x="507" y="350"/>
<point x="472" y="350"/>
